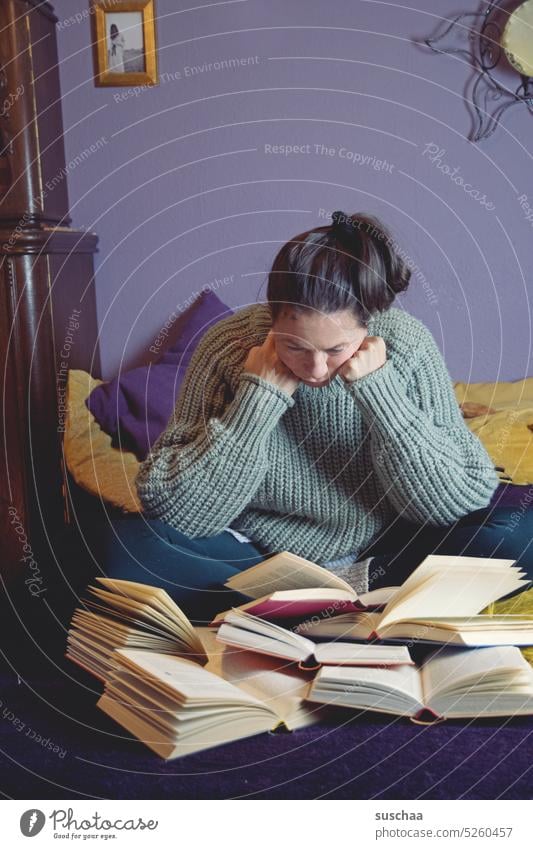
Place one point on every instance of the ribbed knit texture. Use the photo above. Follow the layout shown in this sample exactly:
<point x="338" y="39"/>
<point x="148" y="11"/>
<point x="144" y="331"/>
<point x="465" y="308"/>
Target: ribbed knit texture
<point x="322" y="472"/>
<point x="355" y="573"/>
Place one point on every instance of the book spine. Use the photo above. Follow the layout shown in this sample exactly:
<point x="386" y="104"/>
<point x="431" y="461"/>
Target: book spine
<point x="310" y="664"/>
<point x="427" y="717"/>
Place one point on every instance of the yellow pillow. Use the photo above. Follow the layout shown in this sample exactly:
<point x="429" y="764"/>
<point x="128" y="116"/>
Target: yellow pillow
<point x="93" y="462"/>
<point x="507" y="431"/>
<point x="518" y="605"/>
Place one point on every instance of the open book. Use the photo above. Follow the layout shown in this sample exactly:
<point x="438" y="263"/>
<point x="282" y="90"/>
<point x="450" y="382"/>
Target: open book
<point x="243" y="630"/>
<point x="177" y="707"/>
<point x="125" y="614"/>
<point x="140" y="625"/>
<point x="452" y="682"/>
<point x="297" y="588"/>
<point x="288" y="586"/>
<point x="420" y="609"/>
<point x="479" y="630"/>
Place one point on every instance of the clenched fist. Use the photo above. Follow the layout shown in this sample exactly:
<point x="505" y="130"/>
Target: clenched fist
<point x="265" y="363"/>
<point x="370" y="356"/>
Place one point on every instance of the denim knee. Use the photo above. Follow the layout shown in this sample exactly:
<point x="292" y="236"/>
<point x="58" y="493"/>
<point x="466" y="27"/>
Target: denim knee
<point x="515" y="528"/>
<point x="501" y="532"/>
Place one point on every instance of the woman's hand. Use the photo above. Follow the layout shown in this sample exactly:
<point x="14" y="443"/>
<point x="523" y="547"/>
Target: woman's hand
<point x="265" y="363"/>
<point x="370" y="356"/>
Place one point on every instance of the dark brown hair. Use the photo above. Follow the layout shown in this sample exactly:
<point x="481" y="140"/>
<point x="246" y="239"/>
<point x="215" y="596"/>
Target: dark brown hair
<point x="350" y="264"/>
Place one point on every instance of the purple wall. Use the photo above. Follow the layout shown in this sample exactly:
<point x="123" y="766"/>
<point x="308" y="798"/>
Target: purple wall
<point x="184" y="191"/>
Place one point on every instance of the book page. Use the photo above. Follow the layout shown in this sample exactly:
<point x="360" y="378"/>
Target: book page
<point x="277" y="683"/>
<point x="441" y="584"/>
<point x="247" y="621"/>
<point x="480" y="620"/>
<point x="378" y="597"/>
<point x="183" y="679"/>
<point x="285" y="571"/>
<point x="243" y="725"/>
<point x="137" y="620"/>
<point x="457" y="669"/>
<point x="114" y="633"/>
<point x="347" y="626"/>
<point x="362" y="655"/>
<point x="241" y="638"/>
<point x="158" y="600"/>
<point x="131" y="606"/>
<point x="398" y="689"/>
<point x="136" y="692"/>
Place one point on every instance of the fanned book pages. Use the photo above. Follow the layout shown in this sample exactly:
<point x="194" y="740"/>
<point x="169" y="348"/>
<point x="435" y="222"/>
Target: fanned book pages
<point x="287" y="586"/>
<point x="125" y="614"/>
<point x="243" y="630"/>
<point x="177" y="707"/>
<point x="467" y="631"/>
<point x="451" y="683"/>
<point x="421" y="609"/>
<point x="441" y="584"/>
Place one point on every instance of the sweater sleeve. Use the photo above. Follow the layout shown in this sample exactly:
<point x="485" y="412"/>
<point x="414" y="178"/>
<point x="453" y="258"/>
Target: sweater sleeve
<point x="207" y="465"/>
<point x="432" y="467"/>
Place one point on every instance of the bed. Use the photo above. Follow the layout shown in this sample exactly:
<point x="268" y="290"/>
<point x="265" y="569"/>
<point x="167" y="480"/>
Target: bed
<point x="355" y="755"/>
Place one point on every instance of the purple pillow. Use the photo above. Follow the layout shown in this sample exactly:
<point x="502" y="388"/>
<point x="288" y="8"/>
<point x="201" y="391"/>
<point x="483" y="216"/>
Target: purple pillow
<point x="135" y="407"/>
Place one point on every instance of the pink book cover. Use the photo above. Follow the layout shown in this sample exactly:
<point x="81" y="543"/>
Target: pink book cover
<point x="295" y="609"/>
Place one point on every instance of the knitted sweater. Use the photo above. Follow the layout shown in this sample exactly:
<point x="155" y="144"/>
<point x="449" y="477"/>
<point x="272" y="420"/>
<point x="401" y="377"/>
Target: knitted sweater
<point x="322" y="472"/>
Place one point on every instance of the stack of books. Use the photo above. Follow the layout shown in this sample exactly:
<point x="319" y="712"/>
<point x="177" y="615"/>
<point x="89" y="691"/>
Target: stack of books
<point x="304" y="644"/>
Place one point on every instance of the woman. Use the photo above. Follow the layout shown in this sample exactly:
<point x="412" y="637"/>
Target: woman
<point x="116" y="51"/>
<point x="323" y="423"/>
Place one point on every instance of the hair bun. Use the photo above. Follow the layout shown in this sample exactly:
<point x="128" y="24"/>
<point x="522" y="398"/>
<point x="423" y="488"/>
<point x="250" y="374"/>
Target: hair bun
<point x="342" y="224"/>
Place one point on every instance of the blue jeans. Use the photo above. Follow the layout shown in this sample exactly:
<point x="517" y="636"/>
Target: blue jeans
<point x="193" y="571"/>
<point x="491" y="532"/>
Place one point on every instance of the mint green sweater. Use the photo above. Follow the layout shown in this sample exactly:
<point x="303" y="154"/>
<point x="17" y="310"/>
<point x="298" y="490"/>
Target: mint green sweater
<point x="322" y="472"/>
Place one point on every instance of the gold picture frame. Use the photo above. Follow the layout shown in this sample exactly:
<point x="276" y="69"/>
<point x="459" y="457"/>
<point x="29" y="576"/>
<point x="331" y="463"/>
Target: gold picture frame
<point x="124" y="43"/>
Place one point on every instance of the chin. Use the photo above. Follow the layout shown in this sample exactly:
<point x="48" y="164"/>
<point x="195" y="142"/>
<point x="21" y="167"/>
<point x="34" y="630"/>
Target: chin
<point x="316" y="382"/>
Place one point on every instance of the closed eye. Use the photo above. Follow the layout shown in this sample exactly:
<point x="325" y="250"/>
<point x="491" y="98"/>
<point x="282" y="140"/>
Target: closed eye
<point x="330" y="351"/>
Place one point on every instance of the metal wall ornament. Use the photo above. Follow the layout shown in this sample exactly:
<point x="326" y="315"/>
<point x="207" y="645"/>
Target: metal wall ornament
<point x="488" y="35"/>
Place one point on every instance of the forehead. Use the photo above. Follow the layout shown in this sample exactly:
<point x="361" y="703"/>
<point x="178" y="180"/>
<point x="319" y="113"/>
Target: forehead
<point x="323" y="330"/>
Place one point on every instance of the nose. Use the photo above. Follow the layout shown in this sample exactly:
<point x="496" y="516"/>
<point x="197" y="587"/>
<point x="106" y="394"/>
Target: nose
<point x="316" y="366"/>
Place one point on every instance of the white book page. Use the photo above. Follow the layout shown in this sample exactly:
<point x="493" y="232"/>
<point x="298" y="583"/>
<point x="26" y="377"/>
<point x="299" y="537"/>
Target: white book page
<point x="144" y="593"/>
<point x="159" y="601"/>
<point x="241" y="638"/>
<point x="352" y="653"/>
<point x="137" y="620"/>
<point x="357" y="626"/>
<point x="276" y="683"/>
<point x="456" y="669"/>
<point x="285" y="571"/>
<point x="402" y="679"/>
<point x="312" y="593"/>
<point x="166" y="747"/>
<point x="132" y="607"/>
<point x="478" y="622"/>
<point x="464" y="588"/>
<point x="378" y="597"/>
<point x="186" y="679"/>
<point x="247" y="621"/>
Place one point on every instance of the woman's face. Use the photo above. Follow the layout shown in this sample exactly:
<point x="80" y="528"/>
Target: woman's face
<point x="314" y="345"/>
